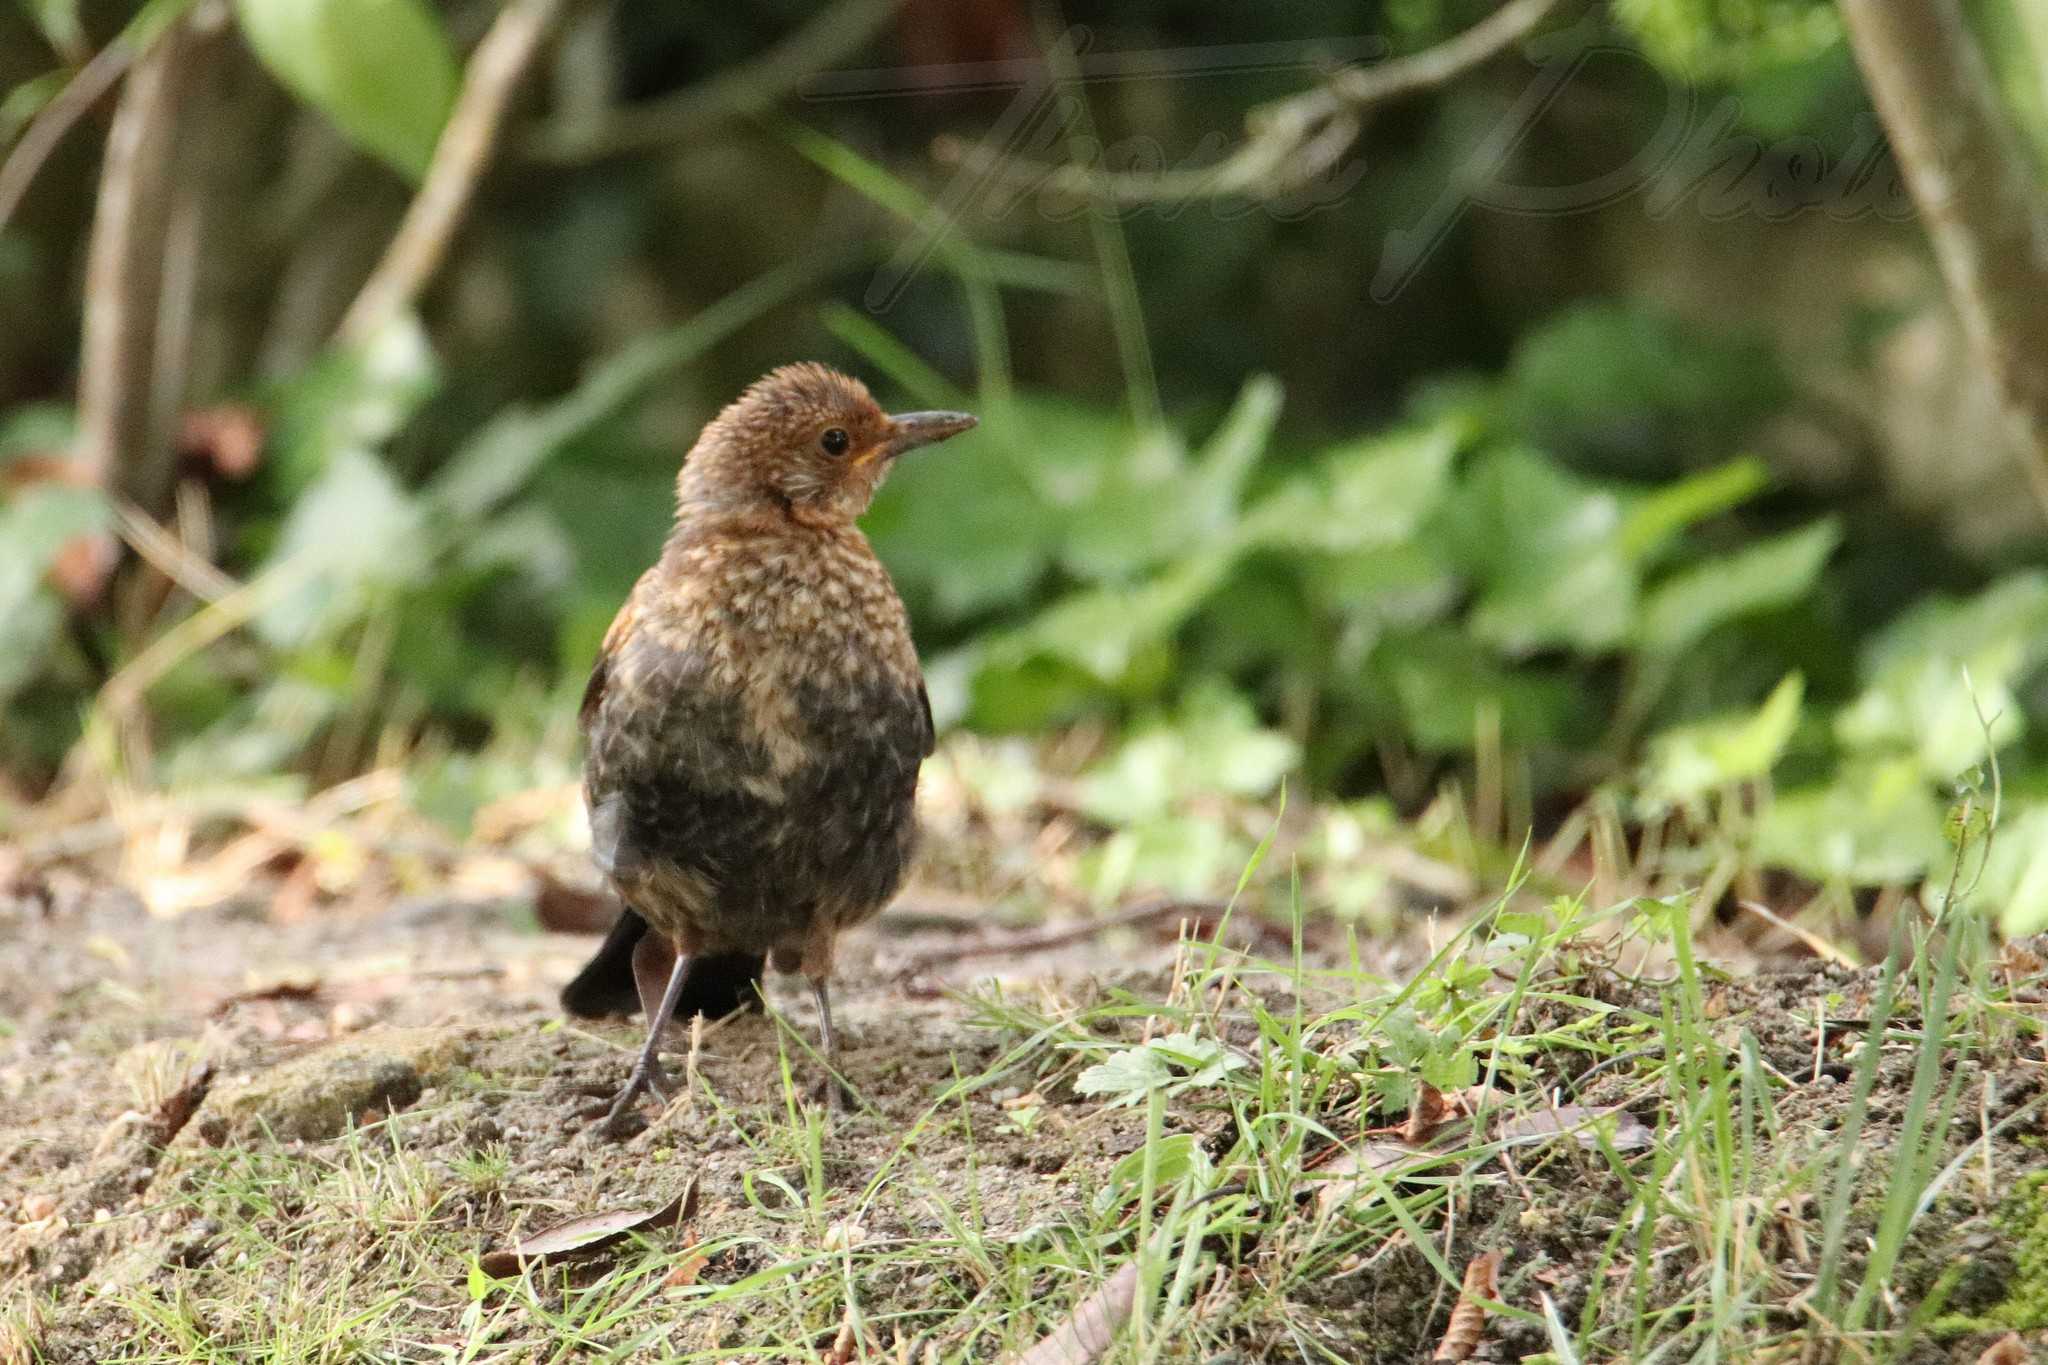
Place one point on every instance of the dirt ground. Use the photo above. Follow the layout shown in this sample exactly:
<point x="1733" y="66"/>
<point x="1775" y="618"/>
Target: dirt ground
<point x="426" y="1038"/>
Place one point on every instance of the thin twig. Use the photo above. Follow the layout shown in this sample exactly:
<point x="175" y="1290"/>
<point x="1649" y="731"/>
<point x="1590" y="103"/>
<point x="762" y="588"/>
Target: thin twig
<point x="57" y="118"/>
<point x="1288" y="143"/>
<point x="458" y="164"/>
<point x="751" y="87"/>
<point x="1038" y="940"/>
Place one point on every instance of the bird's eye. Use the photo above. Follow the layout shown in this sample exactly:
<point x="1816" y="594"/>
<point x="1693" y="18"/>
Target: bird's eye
<point x="835" y="440"/>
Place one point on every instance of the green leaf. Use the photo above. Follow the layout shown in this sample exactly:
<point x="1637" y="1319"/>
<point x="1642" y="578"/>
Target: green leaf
<point x="1719" y="40"/>
<point x="1441" y="680"/>
<point x="382" y="70"/>
<point x="1768" y="574"/>
<point x="1364" y="495"/>
<point x="1876" y="823"/>
<point x="1175" y="1158"/>
<point x="354" y="535"/>
<point x="1545" y="547"/>
<point x="1216" y="486"/>
<point x="1103" y="630"/>
<point x="1213" y="745"/>
<point x="2014" y="881"/>
<point x="1934" y="670"/>
<point x="352" y="398"/>
<point x="37" y="429"/>
<point x="1656" y="519"/>
<point x="34" y="526"/>
<point x="1691" y="761"/>
<point x="1635" y="392"/>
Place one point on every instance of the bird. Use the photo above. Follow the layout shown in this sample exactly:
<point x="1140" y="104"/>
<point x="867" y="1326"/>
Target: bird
<point x="756" y="718"/>
<point x="717" y="986"/>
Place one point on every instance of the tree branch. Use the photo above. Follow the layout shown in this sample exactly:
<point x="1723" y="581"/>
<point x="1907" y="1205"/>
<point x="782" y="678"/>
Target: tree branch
<point x="751" y="87"/>
<point x="1287" y="143"/>
<point x="1986" y="215"/>
<point x="458" y="164"/>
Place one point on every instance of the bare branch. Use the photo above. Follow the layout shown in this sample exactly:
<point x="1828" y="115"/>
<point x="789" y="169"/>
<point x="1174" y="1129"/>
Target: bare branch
<point x="1986" y="215"/>
<point x="1289" y="142"/>
<point x="124" y="438"/>
<point x="751" y="87"/>
<point x="458" y="165"/>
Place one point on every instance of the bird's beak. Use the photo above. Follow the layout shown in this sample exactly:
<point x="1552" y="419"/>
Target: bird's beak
<point x="909" y="430"/>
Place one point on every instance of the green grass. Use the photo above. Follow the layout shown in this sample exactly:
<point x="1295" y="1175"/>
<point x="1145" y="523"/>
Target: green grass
<point x="1224" y="1131"/>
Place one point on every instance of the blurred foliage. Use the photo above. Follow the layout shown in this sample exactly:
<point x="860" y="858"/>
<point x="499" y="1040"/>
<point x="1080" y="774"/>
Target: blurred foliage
<point x="1528" y="520"/>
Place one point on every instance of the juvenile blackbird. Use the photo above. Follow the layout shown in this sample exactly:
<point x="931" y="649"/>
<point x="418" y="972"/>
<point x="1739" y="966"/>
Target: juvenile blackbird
<point x="756" y="718"/>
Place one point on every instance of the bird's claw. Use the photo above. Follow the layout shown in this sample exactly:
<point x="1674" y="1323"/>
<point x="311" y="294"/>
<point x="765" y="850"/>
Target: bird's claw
<point x="620" y="1119"/>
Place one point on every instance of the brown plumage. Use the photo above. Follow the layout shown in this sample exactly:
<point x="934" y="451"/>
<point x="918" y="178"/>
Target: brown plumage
<point x="756" y="718"/>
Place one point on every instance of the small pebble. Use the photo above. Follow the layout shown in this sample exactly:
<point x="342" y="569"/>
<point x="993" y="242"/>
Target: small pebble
<point x="36" y="1207"/>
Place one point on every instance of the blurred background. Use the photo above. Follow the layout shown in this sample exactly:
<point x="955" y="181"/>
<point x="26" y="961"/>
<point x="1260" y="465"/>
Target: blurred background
<point x="1535" y="435"/>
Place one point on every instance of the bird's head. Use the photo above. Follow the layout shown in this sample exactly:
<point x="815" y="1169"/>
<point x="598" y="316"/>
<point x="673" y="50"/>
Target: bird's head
<point x="805" y="440"/>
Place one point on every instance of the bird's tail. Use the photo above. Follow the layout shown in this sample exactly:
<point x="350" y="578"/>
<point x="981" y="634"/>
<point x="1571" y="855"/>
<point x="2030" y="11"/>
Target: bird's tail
<point x="715" y="987"/>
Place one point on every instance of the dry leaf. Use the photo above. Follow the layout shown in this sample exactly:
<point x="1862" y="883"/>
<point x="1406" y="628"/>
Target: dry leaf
<point x="565" y="908"/>
<point x="586" y="1235"/>
<point x="2007" y="1350"/>
<point x="1468" y="1319"/>
<point x="177" y="1108"/>
<point x="686" y="1271"/>
<point x="1427" y="1113"/>
<point x="1085" y="1335"/>
<point x="1582" y="1123"/>
<point x="1386" y="1159"/>
<point x="844" y="1344"/>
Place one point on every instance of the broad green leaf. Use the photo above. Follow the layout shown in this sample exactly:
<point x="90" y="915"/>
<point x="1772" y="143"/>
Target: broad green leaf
<point x="1875" y="823"/>
<point x="1213" y="745"/>
<point x="1941" y="681"/>
<point x="1364" y="495"/>
<point x="1544" y="545"/>
<point x="353" y="398"/>
<point x="382" y="70"/>
<point x="1692" y="761"/>
<point x="1714" y="40"/>
<point x="1103" y="630"/>
<point x="1177" y="1157"/>
<point x="1442" y="680"/>
<point x="1768" y="574"/>
<point x="354" y="536"/>
<point x="34" y="525"/>
<point x="1637" y="393"/>
<point x="2014" y="882"/>
<point x="1221" y="466"/>
<point x="1655" y="519"/>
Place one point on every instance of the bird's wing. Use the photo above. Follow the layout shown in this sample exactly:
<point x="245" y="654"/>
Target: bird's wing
<point x="601" y="671"/>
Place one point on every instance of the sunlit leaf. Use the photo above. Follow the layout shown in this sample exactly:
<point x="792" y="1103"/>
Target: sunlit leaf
<point x="353" y="535"/>
<point x="1941" y="680"/>
<point x="1691" y="761"/>
<point x="382" y="70"/>
<point x="1875" y="823"/>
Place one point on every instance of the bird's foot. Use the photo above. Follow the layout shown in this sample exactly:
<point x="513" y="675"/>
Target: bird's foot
<point x="622" y="1119"/>
<point x="835" y="1094"/>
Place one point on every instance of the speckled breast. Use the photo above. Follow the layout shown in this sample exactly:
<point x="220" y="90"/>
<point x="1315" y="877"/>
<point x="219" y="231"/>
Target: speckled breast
<point x="753" y="760"/>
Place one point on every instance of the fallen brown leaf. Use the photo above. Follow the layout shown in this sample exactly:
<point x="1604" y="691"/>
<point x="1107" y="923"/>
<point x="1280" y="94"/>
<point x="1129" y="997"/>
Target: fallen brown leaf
<point x="565" y="908"/>
<point x="1468" y="1319"/>
<point x="177" y="1108"/>
<point x="2007" y="1350"/>
<point x="686" y="1271"/>
<point x="1425" y="1115"/>
<point x="1092" y="1326"/>
<point x="1579" y="1122"/>
<point x="1346" y="1172"/>
<point x="587" y="1235"/>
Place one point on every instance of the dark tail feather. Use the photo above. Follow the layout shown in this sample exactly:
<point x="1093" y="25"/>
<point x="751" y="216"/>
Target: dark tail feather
<point x="716" y="986"/>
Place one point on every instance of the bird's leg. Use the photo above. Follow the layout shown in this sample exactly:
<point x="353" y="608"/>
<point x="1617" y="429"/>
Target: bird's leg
<point x="647" y="1073"/>
<point x="835" y="1089"/>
